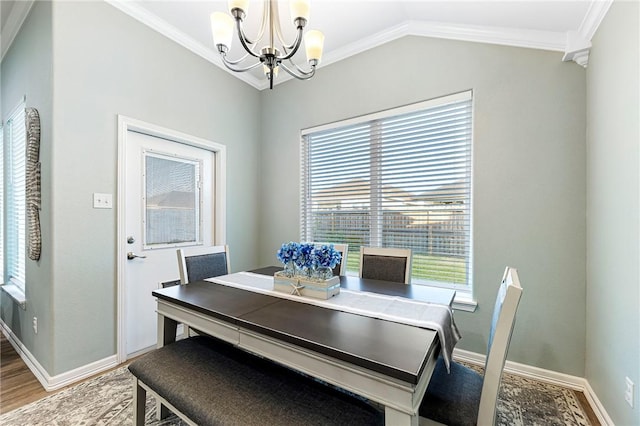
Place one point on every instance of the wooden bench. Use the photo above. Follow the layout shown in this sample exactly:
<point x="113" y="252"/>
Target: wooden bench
<point x="205" y="381"/>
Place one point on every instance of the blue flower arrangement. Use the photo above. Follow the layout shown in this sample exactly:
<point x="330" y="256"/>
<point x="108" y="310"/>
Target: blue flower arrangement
<point x="326" y="256"/>
<point x="308" y="259"/>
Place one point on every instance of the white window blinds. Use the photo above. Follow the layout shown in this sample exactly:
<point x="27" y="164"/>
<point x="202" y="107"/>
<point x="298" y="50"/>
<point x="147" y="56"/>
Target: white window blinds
<point x="14" y="178"/>
<point x="399" y="178"/>
<point x="2" y="254"/>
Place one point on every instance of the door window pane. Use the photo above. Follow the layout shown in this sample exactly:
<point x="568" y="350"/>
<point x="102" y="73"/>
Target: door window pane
<point x="172" y="200"/>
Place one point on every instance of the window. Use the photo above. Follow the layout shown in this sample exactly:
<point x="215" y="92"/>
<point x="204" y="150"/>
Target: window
<point x="172" y="200"/>
<point x="14" y="170"/>
<point x="398" y="178"/>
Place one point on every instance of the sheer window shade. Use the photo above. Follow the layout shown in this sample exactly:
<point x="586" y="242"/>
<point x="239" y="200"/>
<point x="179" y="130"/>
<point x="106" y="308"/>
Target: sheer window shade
<point x="400" y="178"/>
<point x="15" y="138"/>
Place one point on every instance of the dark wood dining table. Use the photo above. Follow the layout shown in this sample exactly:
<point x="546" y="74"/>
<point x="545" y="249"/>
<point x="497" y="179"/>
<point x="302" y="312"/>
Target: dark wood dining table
<point x="385" y="361"/>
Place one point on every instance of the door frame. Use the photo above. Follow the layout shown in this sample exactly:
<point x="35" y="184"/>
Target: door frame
<point x="126" y="124"/>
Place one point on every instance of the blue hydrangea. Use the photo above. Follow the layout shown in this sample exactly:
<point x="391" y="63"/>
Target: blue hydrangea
<point x="289" y="252"/>
<point x="326" y="256"/>
<point x="305" y="259"/>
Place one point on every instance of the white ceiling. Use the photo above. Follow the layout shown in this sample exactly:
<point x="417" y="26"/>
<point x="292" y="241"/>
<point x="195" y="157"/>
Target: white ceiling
<point x="352" y="26"/>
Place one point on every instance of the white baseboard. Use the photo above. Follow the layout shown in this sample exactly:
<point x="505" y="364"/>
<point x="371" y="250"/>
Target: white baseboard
<point x="51" y="383"/>
<point x="547" y="376"/>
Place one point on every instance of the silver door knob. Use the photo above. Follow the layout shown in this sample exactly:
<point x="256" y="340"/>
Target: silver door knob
<point x="132" y="255"/>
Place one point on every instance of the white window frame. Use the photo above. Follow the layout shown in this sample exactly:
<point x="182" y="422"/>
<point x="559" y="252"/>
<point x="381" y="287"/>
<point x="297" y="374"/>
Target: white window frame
<point x="464" y="293"/>
<point x="14" y="236"/>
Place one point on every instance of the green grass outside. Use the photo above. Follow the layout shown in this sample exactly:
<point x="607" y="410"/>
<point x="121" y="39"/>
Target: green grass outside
<point x="424" y="267"/>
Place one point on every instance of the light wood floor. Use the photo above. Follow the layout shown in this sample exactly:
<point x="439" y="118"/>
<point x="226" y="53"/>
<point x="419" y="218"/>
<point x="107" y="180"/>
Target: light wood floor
<point x="18" y="385"/>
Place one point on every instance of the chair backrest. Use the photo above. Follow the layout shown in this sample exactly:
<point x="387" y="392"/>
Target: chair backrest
<point x="502" y="323"/>
<point x="198" y="263"/>
<point x="387" y="264"/>
<point x="341" y="268"/>
<point x="170" y="283"/>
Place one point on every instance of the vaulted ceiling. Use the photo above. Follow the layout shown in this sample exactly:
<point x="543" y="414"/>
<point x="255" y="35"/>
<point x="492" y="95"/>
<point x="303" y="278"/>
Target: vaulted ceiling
<point x="352" y="26"/>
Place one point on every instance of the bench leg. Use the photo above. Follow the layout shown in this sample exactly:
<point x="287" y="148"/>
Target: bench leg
<point x="139" y="402"/>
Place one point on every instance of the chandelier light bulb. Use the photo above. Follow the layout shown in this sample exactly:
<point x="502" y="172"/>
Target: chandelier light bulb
<point x="299" y="9"/>
<point x="243" y="5"/>
<point x="314" y="43"/>
<point x="222" y="29"/>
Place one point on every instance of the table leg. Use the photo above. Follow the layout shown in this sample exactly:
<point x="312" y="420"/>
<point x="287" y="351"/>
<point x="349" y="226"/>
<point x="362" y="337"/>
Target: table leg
<point x="167" y="328"/>
<point x="398" y="418"/>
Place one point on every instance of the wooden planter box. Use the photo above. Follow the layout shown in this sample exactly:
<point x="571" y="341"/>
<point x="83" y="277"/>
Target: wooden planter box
<point x="306" y="286"/>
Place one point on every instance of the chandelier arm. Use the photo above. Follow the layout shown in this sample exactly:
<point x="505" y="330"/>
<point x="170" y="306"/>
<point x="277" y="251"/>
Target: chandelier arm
<point x="244" y="40"/>
<point x="310" y="73"/>
<point x="234" y="62"/>
<point x="295" y="46"/>
<point x="299" y="23"/>
<point x="305" y="75"/>
<point x="229" y="65"/>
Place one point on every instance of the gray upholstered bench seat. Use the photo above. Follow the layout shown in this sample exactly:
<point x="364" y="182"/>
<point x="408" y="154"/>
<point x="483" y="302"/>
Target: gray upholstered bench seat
<point x="208" y="382"/>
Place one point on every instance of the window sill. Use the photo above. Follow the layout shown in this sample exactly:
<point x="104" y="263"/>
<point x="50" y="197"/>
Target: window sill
<point x="16" y="293"/>
<point x="463" y="302"/>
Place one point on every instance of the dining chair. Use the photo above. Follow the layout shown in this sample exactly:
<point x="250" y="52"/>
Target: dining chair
<point x="198" y="263"/>
<point x="340" y="268"/>
<point x="170" y="283"/>
<point x="464" y="397"/>
<point x="384" y="263"/>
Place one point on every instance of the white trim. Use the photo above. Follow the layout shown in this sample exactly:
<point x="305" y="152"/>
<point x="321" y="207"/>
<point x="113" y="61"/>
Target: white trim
<point x="391" y="112"/>
<point x="18" y="14"/>
<point x="546" y="376"/>
<point x="51" y="383"/>
<point x="16" y="293"/>
<point x="597" y="406"/>
<point x="172" y="33"/>
<point x="533" y="39"/>
<point x="126" y="124"/>
<point x="461" y="303"/>
<point x="593" y="18"/>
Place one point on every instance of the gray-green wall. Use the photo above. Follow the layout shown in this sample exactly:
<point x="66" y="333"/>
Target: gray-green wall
<point x="613" y="211"/>
<point x="529" y="173"/>
<point x="26" y="70"/>
<point x="535" y="178"/>
<point x="106" y="63"/>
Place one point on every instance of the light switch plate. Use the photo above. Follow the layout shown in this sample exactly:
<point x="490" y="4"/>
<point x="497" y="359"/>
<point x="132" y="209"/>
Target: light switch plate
<point x="102" y="201"/>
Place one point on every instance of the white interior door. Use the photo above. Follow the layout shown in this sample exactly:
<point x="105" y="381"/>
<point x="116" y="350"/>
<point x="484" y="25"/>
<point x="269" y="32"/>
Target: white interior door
<point x="169" y="203"/>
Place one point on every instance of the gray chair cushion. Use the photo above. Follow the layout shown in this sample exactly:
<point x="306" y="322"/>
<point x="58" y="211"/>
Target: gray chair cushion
<point x="206" y="266"/>
<point x="214" y="383"/>
<point x="386" y="268"/>
<point x="452" y="399"/>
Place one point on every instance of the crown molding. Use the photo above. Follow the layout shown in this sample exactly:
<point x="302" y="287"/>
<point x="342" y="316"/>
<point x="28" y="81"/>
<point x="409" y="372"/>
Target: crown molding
<point x="574" y="44"/>
<point x="545" y="40"/>
<point x="579" y="42"/>
<point x="152" y="21"/>
<point x="14" y="22"/>
<point x="592" y="20"/>
<point x="532" y="39"/>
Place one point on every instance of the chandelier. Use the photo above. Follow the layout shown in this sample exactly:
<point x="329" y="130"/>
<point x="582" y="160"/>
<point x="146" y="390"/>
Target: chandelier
<point x="275" y="53"/>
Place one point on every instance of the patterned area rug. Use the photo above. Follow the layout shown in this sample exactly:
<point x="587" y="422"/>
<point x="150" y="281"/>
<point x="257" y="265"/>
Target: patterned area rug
<point x="106" y="400"/>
